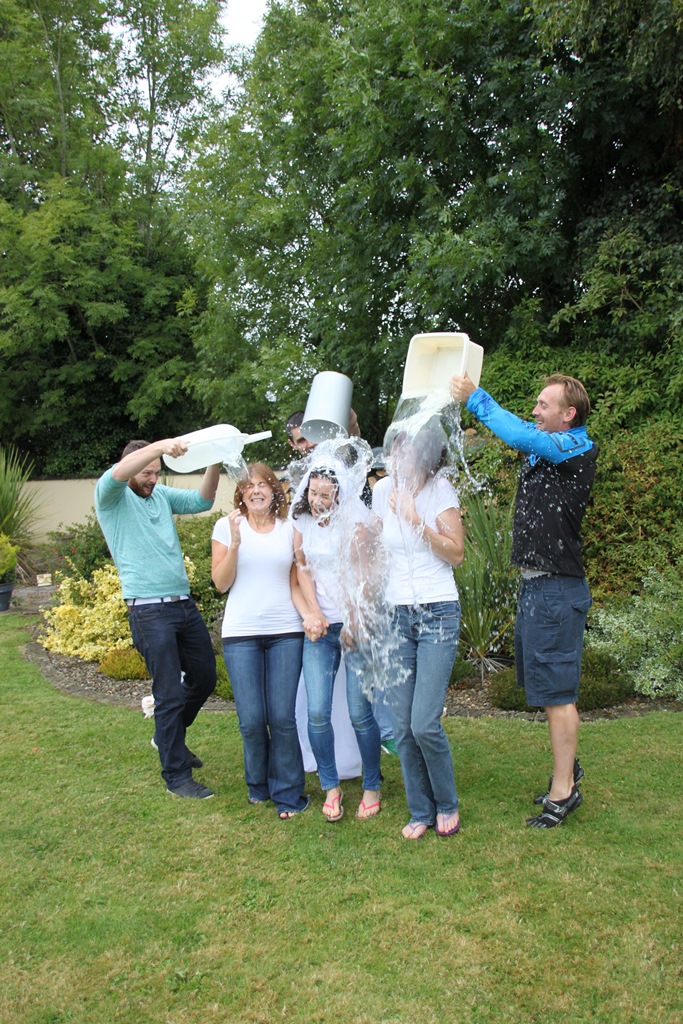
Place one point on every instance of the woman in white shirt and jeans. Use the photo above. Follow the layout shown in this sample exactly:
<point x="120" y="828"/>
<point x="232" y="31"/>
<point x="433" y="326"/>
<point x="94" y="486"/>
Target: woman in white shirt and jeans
<point x="422" y="532"/>
<point x="331" y="540"/>
<point x="252" y="557"/>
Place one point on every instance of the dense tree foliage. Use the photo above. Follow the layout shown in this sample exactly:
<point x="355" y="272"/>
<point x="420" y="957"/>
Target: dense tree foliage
<point x="377" y="168"/>
<point x="513" y="171"/>
<point x="98" y="289"/>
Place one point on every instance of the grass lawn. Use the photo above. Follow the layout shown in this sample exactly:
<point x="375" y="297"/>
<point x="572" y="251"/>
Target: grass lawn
<point x="123" y="904"/>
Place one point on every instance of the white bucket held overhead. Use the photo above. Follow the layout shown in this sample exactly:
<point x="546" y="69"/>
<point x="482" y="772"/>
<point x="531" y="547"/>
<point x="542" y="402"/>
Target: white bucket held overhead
<point x="328" y="407"/>
<point x="434" y="358"/>
<point x="212" y="445"/>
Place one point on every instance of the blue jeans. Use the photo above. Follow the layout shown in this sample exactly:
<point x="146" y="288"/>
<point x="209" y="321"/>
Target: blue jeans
<point x="427" y="644"/>
<point x="264" y="672"/>
<point x="382" y="713"/>
<point x="173" y="640"/>
<point x="321" y="661"/>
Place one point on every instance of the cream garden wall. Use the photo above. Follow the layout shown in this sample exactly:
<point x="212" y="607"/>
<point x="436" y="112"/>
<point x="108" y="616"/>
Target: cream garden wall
<point x="67" y="502"/>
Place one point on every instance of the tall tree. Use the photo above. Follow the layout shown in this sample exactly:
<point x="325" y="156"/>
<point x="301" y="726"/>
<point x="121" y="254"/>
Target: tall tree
<point x="412" y="165"/>
<point x="168" y="51"/>
<point x="98" y="292"/>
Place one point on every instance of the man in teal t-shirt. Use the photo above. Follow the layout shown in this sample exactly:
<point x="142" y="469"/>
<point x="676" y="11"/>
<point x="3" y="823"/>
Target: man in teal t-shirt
<point x="136" y="516"/>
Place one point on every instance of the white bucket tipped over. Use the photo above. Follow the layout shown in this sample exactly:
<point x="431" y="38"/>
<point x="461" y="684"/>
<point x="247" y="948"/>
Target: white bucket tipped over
<point x="211" y="445"/>
<point x="434" y="358"/>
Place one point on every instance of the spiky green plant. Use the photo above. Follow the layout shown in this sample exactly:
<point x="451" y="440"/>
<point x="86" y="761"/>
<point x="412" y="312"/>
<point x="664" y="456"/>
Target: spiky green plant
<point x="487" y="583"/>
<point x="19" y="509"/>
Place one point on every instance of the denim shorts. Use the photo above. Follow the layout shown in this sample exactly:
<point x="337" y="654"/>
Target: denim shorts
<point x="551" y="620"/>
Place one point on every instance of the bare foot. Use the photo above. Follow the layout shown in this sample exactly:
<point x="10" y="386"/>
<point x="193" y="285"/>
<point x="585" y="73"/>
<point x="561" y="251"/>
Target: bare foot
<point x="414" y="830"/>
<point x="332" y="808"/>
<point x="447" y="824"/>
<point x="370" y="805"/>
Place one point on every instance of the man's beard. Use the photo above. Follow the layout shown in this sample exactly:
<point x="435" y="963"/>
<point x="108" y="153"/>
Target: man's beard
<point x="142" y="492"/>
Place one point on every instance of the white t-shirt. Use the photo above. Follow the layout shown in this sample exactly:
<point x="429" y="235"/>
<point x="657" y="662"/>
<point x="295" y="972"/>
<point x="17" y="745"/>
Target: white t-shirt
<point x="322" y="548"/>
<point x="260" y="599"/>
<point x="416" y="574"/>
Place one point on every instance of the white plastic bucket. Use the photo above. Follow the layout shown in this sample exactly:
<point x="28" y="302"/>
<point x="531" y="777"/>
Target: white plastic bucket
<point x="211" y="445"/>
<point x="434" y="358"/>
<point x="328" y="407"/>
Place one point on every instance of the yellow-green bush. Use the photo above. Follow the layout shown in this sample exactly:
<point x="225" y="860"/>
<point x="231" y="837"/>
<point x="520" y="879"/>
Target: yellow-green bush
<point x="91" y="618"/>
<point x="124" y="663"/>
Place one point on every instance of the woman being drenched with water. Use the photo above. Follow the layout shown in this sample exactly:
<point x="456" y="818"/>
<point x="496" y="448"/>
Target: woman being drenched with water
<point x="422" y="532"/>
<point x="332" y="543"/>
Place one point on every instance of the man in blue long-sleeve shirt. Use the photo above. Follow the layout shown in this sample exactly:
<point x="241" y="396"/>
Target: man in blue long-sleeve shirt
<point x="552" y="494"/>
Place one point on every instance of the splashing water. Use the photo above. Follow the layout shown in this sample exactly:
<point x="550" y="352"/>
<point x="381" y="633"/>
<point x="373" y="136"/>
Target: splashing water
<point x="236" y="467"/>
<point x="425" y="441"/>
<point x="425" y="438"/>
<point x="351" y="565"/>
<point x="426" y="422"/>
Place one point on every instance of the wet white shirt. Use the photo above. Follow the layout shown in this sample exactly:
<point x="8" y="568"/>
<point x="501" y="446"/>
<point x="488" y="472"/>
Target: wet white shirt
<point x="416" y="574"/>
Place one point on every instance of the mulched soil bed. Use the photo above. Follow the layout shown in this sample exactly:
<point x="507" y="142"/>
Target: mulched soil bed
<point x="473" y="702"/>
<point x="82" y="679"/>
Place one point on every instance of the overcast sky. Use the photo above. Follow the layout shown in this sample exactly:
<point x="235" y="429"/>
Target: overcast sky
<point x="243" y="20"/>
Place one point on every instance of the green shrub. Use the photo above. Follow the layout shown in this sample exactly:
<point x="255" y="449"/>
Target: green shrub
<point x="124" y="663"/>
<point x="504" y="693"/>
<point x="462" y="672"/>
<point x="635" y="520"/>
<point x="80" y="548"/>
<point x="603" y="684"/>
<point x="8" y="559"/>
<point x="487" y="583"/>
<point x="645" y="633"/>
<point x="19" y="509"/>
<point x="195" y="540"/>
<point x="223" y="684"/>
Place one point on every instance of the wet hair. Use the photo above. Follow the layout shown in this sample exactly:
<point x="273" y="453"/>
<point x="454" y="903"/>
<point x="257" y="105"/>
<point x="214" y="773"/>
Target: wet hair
<point x="134" y="446"/>
<point x="430" y="446"/>
<point x="575" y="395"/>
<point x="278" y="502"/>
<point x="303" y="506"/>
<point x="295" y="420"/>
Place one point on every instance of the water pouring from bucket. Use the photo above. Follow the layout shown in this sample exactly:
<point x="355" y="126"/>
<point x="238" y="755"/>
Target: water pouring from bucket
<point x="425" y="415"/>
<point x="209" y="446"/>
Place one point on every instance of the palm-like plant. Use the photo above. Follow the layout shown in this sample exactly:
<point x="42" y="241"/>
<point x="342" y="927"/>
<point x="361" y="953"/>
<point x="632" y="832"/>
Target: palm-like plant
<point x="487" y="583"/>
<point x="19" y="509"/>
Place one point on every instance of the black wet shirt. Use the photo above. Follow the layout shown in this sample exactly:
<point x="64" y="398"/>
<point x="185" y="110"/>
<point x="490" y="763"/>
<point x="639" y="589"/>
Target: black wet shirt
<point x="549" y="509"/>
